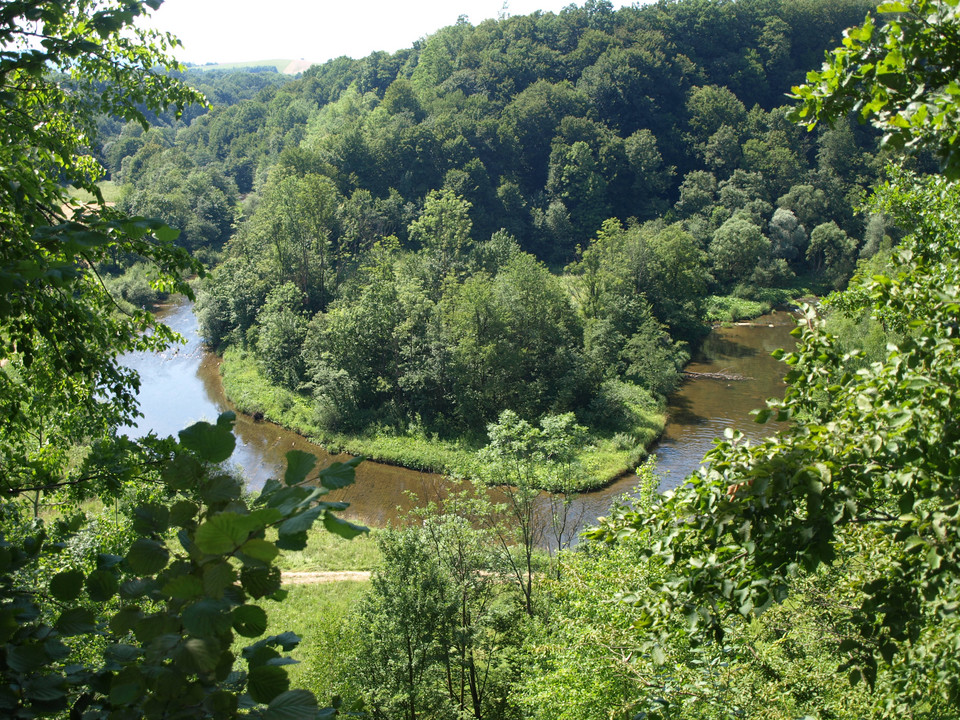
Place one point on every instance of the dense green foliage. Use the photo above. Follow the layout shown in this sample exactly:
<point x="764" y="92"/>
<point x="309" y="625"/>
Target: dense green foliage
<point x="864" y="480"/>
<point x="133" y="614"/>
<point x="385" y="229"/>
<point x="410" y="199"/>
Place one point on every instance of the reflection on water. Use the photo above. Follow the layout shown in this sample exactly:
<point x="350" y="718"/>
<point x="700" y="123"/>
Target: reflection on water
<point x="182" y="385"/>
<point x="703" y="408"/>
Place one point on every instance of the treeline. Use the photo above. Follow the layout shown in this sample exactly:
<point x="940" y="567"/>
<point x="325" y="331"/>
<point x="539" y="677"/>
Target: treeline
<point x="389" y="255"/>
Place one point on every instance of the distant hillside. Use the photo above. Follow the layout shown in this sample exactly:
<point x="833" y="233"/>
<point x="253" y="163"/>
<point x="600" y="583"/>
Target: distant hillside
<point x="287" y="67"/>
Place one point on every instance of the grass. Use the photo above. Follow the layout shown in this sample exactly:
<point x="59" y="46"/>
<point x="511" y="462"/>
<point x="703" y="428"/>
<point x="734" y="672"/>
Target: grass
<point x="316" y="613"/>
<point x="611" y="454"/>
<point x="111" y="192"/>
<point x="328" y="552"/>
<point x="727" y="308"/>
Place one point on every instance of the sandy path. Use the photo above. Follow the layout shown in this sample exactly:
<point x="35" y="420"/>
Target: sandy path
<point x="325" y="576"/>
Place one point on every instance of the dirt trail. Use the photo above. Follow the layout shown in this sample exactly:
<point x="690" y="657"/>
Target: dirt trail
<point x="324" y="576"/>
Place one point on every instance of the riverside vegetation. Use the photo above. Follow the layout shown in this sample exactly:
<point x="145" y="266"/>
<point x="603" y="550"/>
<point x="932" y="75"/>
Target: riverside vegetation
<point x="385" y="283"/>
<point x="386" y="271"/>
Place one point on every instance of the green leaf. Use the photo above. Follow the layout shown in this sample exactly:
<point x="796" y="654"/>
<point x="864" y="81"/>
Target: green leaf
<point x="292" y="705"/>
<point x="259" y="549"/>
<point x="67" y="586"/>
<point x="184" y="587"/>
<point x="293" y="541"/>
<point x="202" y="653"/>
<point x="207" y="617"/>
<point x="339" y="475"/>
<point x="266" y="682"/>
<point x="27" y="658"/>
<point x="260" y="581"/>
<point x="341" y="527"/>
<point x="223" y="533"/>
<point x="151" y="519"/>
<point x="300" y="522"/>
<point x="127" y="687"/>
<point x="250" y="621"/>
<point x="147" y="557"/>
<point x="182" y="513"/>
<point x="76" y="621"/>
<point x="217" y="577"/>
<point x="102" y="585"/>
<point x="221" y="489"/>
<point x="299" y="465"/>
<point x="167" y="234"/>
<point x="211" y="443"/>
<point x="126" y="620"/>
<point x="221" y="703"/>
<point x="46" y="688"/>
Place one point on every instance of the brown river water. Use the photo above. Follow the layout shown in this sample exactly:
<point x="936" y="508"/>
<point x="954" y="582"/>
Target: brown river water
<point x="182" y="385"/>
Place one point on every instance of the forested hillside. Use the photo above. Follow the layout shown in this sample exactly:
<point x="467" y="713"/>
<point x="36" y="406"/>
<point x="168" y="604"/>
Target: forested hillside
<point x="815" y="574"/>
<point x="388" y="233"/>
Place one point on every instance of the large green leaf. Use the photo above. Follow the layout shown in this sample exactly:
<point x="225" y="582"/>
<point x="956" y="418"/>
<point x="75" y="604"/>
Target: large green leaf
<point x="147" y="557"/>
<point x="199" y="654"/>
<point x="292" y="705"/>
<point x="184" y="587"/>
<point x="220" y="489"/>
<point x="67" y="586"/>
<point x="300" y="522"/>
<point x="223" y="533"/>
<point x="46" y="688"/>
<point x="299" y="465"/>
<point x="266" y="682"/>
<point x="76" y="621"/>
<point x="27" y="658"/>
<point x="151" y="519"/>
<point x="341" y="527"/>
<point x="182" y="513"/>
<point x="260" y="581"/>
<point x="212" y="443"/>
<point x="102" y="585"/>
<point x="259" y="549"/>
<point x="207" y="617"/>
<point x="217" y="577"/>
<point x="250" y="621"/>
<point x="339" y="475"/>
<point x="127" y="686"/>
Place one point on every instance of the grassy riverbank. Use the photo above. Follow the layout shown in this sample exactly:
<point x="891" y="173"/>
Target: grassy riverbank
<point x="606" y="457"/>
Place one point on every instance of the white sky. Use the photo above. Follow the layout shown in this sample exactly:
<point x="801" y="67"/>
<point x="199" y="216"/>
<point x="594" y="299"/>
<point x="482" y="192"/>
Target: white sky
<point x="317" y="30"/>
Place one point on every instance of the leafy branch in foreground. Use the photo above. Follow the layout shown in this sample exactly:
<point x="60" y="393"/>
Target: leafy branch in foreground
<point x="867" y="477"/>
<point x="900" y="76"/>
<point x="151" y="633"/>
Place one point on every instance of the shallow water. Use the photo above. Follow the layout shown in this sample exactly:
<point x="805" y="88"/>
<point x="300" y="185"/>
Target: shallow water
<point x="182" y="385"/>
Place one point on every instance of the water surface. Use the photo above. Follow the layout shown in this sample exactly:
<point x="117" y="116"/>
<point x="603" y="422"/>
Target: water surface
<point x="182" y="385"/>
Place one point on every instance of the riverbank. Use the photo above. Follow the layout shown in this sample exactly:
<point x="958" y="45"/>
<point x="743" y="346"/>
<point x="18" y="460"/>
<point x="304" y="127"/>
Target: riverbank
<point x="607" y="457"/>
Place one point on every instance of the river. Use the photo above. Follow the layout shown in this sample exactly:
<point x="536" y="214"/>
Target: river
<point x="182" y="385"/>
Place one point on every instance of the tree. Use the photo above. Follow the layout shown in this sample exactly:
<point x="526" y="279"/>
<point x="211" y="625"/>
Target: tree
<point x="832" y="252"/>
<point x="400" y="632"/>
<point x="738" y="246"/>
<point x="281" y="331"/>
<point x="61" y="334"/>
<point x="788" y="237"/>
<point x="880" y="69"/>
<point x="522" y="460"/>
<point x="443" y="232"/>
<point x="143" y="626"/>
<point x="864" y="479"/>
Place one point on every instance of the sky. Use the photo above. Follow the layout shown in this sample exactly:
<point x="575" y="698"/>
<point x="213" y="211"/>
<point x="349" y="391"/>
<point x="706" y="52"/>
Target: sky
<point x="318" y="30"/>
